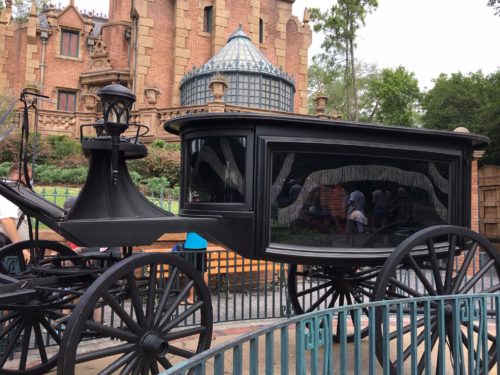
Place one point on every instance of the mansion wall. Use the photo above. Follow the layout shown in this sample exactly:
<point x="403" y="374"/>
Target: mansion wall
<point x="148" y="45"/>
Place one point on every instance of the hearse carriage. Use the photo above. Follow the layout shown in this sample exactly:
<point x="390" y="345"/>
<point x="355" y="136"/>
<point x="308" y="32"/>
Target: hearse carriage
<point x="351" y="207"/>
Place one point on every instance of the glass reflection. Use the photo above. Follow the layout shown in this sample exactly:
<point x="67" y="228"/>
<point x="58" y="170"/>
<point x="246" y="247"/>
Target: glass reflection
<point x="216" y="170"/>
<point x="328" y="200"/>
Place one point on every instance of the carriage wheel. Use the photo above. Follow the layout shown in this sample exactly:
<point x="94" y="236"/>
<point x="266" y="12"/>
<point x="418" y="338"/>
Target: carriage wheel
<point x="148" y="325"/>
<point x="322" y="287"/>
<point x="443" y="260"/>
<point x="29" y="339"/>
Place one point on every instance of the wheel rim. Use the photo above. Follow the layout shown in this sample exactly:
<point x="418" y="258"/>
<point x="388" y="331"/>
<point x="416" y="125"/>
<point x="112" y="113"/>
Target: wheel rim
<point x="148" y="318"/>
<point x="313" y="289"/>
<point x="29" y="339"/>
<point x="425" y="258"/>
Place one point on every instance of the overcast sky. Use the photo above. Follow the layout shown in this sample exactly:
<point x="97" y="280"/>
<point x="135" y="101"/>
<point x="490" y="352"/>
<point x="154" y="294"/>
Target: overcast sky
<point x="427" y="37"/>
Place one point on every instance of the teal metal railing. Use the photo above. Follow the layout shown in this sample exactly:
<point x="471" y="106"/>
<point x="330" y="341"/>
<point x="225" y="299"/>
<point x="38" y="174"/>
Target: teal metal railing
<point x="447" y="334"/>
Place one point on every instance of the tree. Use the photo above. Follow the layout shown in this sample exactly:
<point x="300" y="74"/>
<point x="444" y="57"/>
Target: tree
<point x="472" y="101"/>
<point x="22" y="8"/>
<point x="495" y="4"/>
<point x="392" y="97"/>
<point x="340" y="25"/>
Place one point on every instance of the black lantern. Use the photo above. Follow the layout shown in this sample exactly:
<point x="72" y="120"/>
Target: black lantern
<point x="117" y="101"/>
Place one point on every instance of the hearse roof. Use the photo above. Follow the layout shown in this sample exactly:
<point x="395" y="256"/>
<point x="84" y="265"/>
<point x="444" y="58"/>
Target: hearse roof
<point x="287" y="120"/>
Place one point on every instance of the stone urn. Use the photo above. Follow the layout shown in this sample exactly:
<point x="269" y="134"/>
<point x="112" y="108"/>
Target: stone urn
<point x="320" y="100"/>
<point x="218" y="85"/>
<point x="151" y="95"/>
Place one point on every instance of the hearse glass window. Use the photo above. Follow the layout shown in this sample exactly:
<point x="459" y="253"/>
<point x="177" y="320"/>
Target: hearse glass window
<point x="327" y="200"/>
<point x="216" y="170"/>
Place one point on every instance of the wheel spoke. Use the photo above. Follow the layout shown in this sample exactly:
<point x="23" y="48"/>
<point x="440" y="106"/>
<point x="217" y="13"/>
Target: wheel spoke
<point x="136" y="300"/>
<point x="477" y="276"/>
<point x="120" y="311"/>
<point x="111" y="331"/>
<point x="105" y="352"/>
<point x="151" y="294"/>
<point x="435" y="267"/>
<point x="129" y="367"/>
<point x="153" y="366"/>
<point x="334" y="299"/>
<point x="420" y="274"/>
<point x="173" y="306"/>
<point x="314" y="289"/>
<point x="9" y="316"/>
<point x="406" y="329"/>
<point x="184" y="333"/>
<point x="10" y="345"/>
<point x="164" y="362"/>
<point x="406" y="288"/>
<point x="50" y="330"/>
<point x="10" y="327"/>
<point x="26" y="344"/>
<point x="115" y="365"/>
<point x="465" y="266"/>
<point x="166" y="325"/>
<point x="172" y="275"/>
<point x="40" y="343"/>
<point x="449" y="265"/>
<point x="320" y="300"/>
<point x="180" y="352"/>
<point x="421" y="363"/>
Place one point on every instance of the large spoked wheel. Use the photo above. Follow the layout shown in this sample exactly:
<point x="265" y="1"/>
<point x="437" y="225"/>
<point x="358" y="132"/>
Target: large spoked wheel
<point x="46" y="254"/>
<point x="314" y="288"/>
<point x="442" y="260"/>
<point x="29" y="336"/>
<point x="148" y="325"/>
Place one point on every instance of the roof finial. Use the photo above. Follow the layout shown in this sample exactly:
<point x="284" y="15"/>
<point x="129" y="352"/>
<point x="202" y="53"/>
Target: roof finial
<point x="241" y="26"/>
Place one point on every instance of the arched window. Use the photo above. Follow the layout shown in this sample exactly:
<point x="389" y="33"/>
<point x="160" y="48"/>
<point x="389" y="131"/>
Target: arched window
<point x="207" y="19"/>
<point x="261" y="30"/>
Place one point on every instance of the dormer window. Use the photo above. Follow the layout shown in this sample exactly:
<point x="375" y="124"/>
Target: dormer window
<point x="69" y="43"/>
<point x="207" y="19"/>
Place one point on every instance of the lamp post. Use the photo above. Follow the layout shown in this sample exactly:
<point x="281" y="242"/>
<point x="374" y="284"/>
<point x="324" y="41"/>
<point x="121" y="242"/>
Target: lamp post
<point x="117" y="101"/>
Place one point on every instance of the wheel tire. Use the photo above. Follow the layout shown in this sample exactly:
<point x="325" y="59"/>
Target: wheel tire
<point x="148" y="317"/>
<point x="328" y="287"/>
<point x="25" y="349"/>
<point x="426" y="256"/>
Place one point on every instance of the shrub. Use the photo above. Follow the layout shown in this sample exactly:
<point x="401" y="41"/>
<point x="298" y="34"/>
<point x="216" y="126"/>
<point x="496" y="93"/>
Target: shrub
<point x="65" y="151"/>
<point x="159" y="163"/>
<point x="156" y="185"/>
<point x="51" y="175"/>
<point x="9" y="150"/>
<point x="4" y="168"/>
<point x="136" y="177"/>
<point x="158" y="143"/>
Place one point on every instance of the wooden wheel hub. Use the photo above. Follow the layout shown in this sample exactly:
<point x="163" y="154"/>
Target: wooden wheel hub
<point x="151" y="343"/>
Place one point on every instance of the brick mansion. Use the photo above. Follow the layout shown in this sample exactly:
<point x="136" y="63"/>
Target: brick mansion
<point x="177" y="56"/>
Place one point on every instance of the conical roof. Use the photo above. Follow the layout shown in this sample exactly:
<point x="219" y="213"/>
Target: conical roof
<point x="241" y="55"/>
<point x="252" y="80"/>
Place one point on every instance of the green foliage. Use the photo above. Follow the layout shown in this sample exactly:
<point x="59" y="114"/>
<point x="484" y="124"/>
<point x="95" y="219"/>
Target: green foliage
<point x="136" y="177"/>
<point x="159" y="163"/>
<point x="392" y="97"/>
<point x="161" y="144"/>
<point x="339" y="26"/>
<point x="51" y="175"/>
<point x="472" y="101"/>
<point x="495" y="4"/>
<point x="66" y="150"/>
<point x="9" y="150"/>
<point x="4" y="168"/>
<point x="156" y="185"/>
<point x="22" y="8"/>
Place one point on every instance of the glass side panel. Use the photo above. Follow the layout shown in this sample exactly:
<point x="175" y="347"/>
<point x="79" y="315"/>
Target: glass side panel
<point x="329" y="200"/>
<point x="216" y="169"/>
